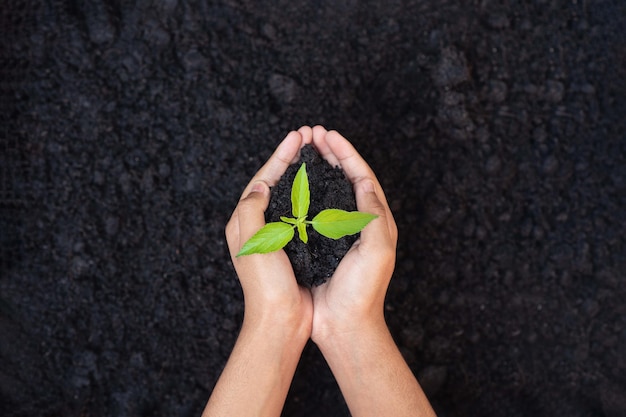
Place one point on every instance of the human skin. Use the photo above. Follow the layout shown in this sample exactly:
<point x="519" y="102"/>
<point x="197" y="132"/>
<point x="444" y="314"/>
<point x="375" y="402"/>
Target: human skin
<point x="344" y="316"/>
<point x="277" y="314"/>
<point x="348" y="311"/>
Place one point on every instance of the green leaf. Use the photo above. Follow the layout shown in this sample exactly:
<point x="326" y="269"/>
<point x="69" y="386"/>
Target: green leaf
<point x="335" y="223"/>
<point x="289" y="220"/>
<point x="270" y="238"/>
<point x="300" y="194"/>
<point x="302" y="232"/>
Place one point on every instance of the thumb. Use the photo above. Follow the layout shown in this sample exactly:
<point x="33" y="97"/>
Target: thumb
<point x="251" y="210"/>
<point x="368" y="201"/>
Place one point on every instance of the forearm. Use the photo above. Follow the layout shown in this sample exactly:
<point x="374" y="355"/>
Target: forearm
<point x="372" y="374"/>
<point x="258" y="373"/>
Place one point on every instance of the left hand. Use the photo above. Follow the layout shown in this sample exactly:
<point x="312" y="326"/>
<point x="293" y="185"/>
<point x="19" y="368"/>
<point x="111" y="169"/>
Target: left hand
<point x="271" y="294"/>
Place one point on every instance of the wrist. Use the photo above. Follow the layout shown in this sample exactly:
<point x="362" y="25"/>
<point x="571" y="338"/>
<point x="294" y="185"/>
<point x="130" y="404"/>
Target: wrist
<point x="281" y="325"/>
<point x="342" y="334"/>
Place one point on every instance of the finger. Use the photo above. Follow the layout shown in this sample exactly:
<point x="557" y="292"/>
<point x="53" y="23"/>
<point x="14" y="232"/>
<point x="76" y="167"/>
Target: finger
<point x="353" y="164"/>
<point x="276" y="165"/>
<point x="381" y="229"/>
<point x="307" y="137"/>
<point x="319" y="141"/>
<point x="358" y="171"/>
<point x="307" y="134"/>
<point x="251" y="211"/>
<point x="349" y="159"/>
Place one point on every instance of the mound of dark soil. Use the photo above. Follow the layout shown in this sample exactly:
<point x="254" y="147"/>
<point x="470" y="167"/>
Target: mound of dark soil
<point x="315" y="261"/>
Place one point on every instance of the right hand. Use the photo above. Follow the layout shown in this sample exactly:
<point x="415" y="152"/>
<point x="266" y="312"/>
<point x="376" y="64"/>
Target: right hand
<point x="353" y="299"/>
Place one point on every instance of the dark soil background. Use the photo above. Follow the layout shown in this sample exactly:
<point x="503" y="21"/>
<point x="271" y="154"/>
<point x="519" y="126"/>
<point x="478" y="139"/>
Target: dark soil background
<point x="129" y="128"/>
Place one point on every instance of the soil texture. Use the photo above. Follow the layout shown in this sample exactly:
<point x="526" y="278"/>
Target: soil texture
<point x="128" y="129"/>
<point x="315" y="261"/>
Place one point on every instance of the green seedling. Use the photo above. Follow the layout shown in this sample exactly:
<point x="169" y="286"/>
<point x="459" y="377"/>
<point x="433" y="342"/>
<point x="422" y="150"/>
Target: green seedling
<point x="332" y="223"/>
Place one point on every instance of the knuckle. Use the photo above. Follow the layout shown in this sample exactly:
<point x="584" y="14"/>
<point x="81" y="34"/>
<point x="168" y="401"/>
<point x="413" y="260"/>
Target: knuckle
<point x="375" y="207"/>
<point x="246" y="207"/>
<point x="379" y="210"/>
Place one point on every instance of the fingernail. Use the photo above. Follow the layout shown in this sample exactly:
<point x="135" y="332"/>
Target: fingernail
<point x="368" y="186"/>
<point x="258" y="187"/>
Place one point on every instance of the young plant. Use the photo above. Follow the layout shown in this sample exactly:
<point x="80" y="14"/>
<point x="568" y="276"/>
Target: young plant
<point x="332" y="223"/>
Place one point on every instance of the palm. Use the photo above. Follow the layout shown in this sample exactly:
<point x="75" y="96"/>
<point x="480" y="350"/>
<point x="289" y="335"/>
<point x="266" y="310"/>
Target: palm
<point x="348" y="296"/>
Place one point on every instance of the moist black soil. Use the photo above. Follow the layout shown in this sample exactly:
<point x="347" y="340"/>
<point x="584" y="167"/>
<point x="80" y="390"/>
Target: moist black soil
<point x="129" y="128"/>
<point x="314" y="262"/>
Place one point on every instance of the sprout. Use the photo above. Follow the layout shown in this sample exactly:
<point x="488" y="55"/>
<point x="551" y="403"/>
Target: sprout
<point x="332" y="223"/>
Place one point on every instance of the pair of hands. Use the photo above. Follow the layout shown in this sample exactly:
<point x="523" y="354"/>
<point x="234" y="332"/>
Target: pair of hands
<point x="344" y="317"/>
<point x="355" y="293"/>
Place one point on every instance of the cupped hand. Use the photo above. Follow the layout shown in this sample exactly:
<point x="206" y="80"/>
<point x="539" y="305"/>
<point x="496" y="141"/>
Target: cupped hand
<point x="271" y="293"/>
<point x="354" y="297"/>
